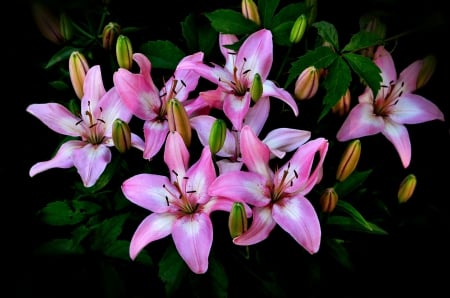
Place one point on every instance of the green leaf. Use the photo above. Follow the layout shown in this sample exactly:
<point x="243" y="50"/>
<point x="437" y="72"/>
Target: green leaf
<point x="120" y="249"/>
<point x="162" y="54"/>
<point x="219" y="283"/>
<point x="61" y="213"/>
<point x="350" y="224"/>
<point x="106" y="176"/>
<point x="107" y="231"/>
<point x="339" y="252"/>
<point x="198" y="38"/>
<point x="328" y="32"/>
<point x="60" y="56"/>
<point x="289" y="13"/>
<point x="362" y="40"/>
<point x="320" y="57"/>
<point x="60" y="85"/>
<point x="231" y="22"/>
<point x="281" y="33"/>
<point x="366" y="69"/>
<point x="59" y="247"/>
<point x="172" y="270"/>
<point x="267" y="10"/>
<point x="352" y="182"/>
<point x="336" y="84"/>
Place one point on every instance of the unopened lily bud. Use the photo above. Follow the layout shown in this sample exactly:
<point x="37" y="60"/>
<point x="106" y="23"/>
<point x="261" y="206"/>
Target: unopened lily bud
<point x="427" y="70"/>
<point x="237" y="220"/>
<point x="178" y="120"/>
<point x="328" y="200"/>
<point x="110" y="33"/>
<point x="250" y="11"/>
<point x="312" y="6"/>
<point x="342" y="107"/>
<point x="299" y="28"/>
<point x="47" y="22"/>
<point x="307" y="83"/>
<point x="349" y="160"/>
<point x="256" y="89"/>
<point x="406" y="189"/>
<point x="66" y="27"/>
<point x="124" y="52"/>
<point x="372" y="23"/>
<point x="217" y="135"/>
<point x="78" y="67"/>
<point x="121" y="135"/>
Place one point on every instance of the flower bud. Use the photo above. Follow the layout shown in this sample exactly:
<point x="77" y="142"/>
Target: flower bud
<point x="110" y="33"/>
<point x="328" y="200"/>
<point x="298" y="30"/>
<point x="178" y="120"/>
<point x="312" y="6"/>
<point x="78" y="67"/>
<point x="124" y="52"/>
<point x="349" y="160"/>
<point x="427" y="70"/>
<point x="217" y="135"/>
<point x="343" y="105"/>
<point x="307" y="83"/>
<point x="406" y="189"/>
<point x="47" y="23"/>
<point x="121" y="135"/>
<point x="66" y="28"/>
<point x="237" y="220"/>
<point x="372" y="23"/>
<point x="250" y="11"/>
<point x="256" y="89"/>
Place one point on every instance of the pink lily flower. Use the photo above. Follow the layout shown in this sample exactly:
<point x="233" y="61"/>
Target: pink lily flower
<point x="99" y="109"/>
<point x="148" y="103"/>
<point x="277" y="197"/>
<point x="180" y="205"/>
<point x="255" y="56"/>
<point x="394" y="106"/>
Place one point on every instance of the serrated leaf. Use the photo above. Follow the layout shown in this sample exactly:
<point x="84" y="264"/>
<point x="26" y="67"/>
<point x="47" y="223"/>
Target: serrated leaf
<point x="61" y="213"/>
<point x="352" y="182"/>
<point x="231" y="22"/>
<point x="362" y="40"/>
<point x="107" y="231"/>
<point x="172" y="270"/>
<point x="59" y="247"/>
<point x="320" y="57"/>
<point x="162" y="54"/>
<point x="267" y="10"/>
<point x="336" y="84"/>
<point x="328" y="32"/>
<point x="120" y="249"/>
<point x="366" y="69"/>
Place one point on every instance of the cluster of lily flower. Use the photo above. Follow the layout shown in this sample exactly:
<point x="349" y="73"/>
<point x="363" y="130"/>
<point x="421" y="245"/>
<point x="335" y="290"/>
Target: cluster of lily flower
<point x="261" y="180"/>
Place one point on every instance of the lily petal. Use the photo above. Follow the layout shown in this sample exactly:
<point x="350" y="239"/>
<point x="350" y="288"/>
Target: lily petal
<point x="360" y="122"/>
<point x="155" y="133"/>
<point x="91" y="161"/>
<point x="255" y="154"/>
<point x="270" y="89"/>
<point x="412" y="109"/>
<point x="259" y="230"/>
<point x="398" y="135"/>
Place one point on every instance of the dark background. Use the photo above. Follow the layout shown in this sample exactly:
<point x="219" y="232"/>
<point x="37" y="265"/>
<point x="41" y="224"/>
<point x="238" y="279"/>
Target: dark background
<point x="413" y="259"/>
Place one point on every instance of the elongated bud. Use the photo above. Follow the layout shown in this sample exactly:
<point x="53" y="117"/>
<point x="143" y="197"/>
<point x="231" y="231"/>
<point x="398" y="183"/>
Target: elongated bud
<point x="372" y="23"/>
<point x="124" y="52"/>
<point x="78" y="67"/>
<point x="250" y="11"/>
<point x="342" y="107"/>
<point x="312" y="14"/>
<point x="217" y="135"/>
<point x="66" y="27"/>
<point x="427" y="70"/>
<point x="406" y="189"/>
<point x="256" y="90"/>
<point x="299" y="28"/>
<point x="237" y="220"/>
<point x="121" y="135"/>
<point x="307" y="83"/>
<point x="47" y="22"/>
<point x="349" y="160"/>
<point x="328" y="200"/>
<point x="178" y="120"/>
<point x="110" y="33"/>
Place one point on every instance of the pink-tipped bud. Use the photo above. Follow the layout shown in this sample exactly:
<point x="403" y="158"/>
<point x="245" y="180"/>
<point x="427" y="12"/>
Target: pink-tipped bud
<point x="78" y="67"/>
<point x="121" y="135"/>
<point x="217" y="135"/>
<point x="307" y="83"/>
<point x="298" y="30"/>
<point x="406" y="189"/>
<point x="328" y="200"/>
<point x="256" y="90"/>
<point x="124" y="52"/>
<point x="342" y="107"/>
<point x="178" y="120"/>
<point x="237" y="220"/>
<point x="109" y="35"/>
<point x="349" y="160"/>
<point x="427" y="70"/>
<point x="250" y="11"/>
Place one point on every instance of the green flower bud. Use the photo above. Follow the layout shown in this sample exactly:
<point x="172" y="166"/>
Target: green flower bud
<point x="124" y="52"/>
<point x="121" y="135"/>
<point x="427" y="70"/>
<point x="307" y="83"/>
<point x="66" y="27"/>
<point x="250" y="11"/>
<point x="312" y="6"/>
<point x="299" y="28"/>
<point x="256" y="89"/>
<point x="179" y="120"/>
<point x="349" y="160"/>
<point x="110" y="33"/>
<point x="237" y="220"/>
<point x="217" y="135"/>
<point x="78" y="67"/>
<point x="406" y="189"/>
<point x="328" y="200"/>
